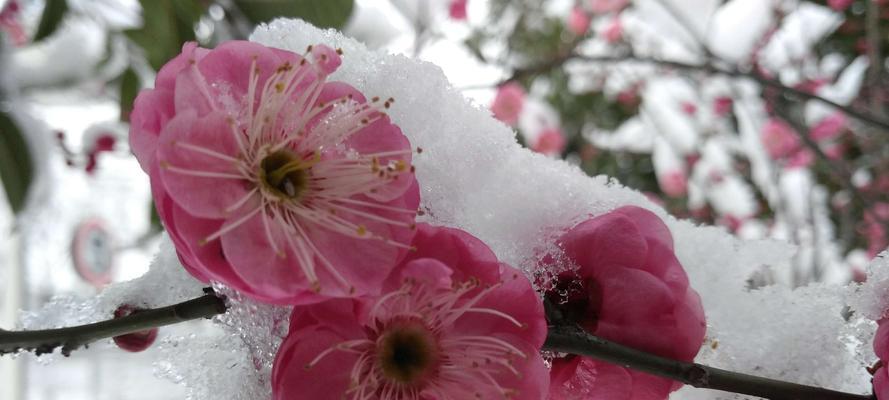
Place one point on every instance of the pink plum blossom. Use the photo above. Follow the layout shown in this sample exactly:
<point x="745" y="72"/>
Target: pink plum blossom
<point x="779" y="139"/>
<point x="722" y="105"/>
<point x="629" y="288"/>
<point x="689" y="108"/>
<point x="839" y="5"/>
<point x="10" y="22"/>
<point x="457" y="9"/>
<point x="607" y="6"/>
<point x="673" y="183"/>
<point x="613" y="32"/>
<point x="881" y="348"/>
<point x="452" y="323"/>
<point x="578" y="21"/>
<point x="550" y="142"/>
<point x="508" y="103"/>
<point x="263" y="172"/>
<point x="829" y="127"/>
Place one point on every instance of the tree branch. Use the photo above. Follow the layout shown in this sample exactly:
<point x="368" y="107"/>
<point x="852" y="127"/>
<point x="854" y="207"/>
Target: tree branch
<point x="561" y="338"/>
<point x="45" y="341"/>
<point x="574" y="340"/>
<point x="737" y="73"/>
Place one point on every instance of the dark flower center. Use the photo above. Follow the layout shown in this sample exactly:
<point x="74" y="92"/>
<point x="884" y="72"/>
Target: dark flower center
<point x="578" y="300"/>
<point x="284" y="174"/>
<point x="407" y="353"/>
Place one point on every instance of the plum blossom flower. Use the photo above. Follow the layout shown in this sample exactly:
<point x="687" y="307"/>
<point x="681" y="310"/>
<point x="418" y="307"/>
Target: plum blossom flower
<point x="263" y="171"/>
<point x="550" y="142"/>
<point x="508" y="103"/>
<point x="628" y="287"/>
<point x="722" y="105"/>
<point x="613" y="32"/>
<point x="829" y="127"/>
<point x="578" y="21"/>
<point x="673" y="183"/>
<point x="779" y="139"/>
<point x="607" y="6"/>
<point x="457" y="10"/>
<point x="451" y="323"/>
<point x="10" y="22"/>
<point x="839" y="5"/>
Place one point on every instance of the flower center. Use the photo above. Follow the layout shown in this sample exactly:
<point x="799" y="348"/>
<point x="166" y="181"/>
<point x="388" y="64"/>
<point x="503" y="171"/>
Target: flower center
<point x="579" y="300"/>
<point x="407" y="352"/>
<point x="284" y="174"/>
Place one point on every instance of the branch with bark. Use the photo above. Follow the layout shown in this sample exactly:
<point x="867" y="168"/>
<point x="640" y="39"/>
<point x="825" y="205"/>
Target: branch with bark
<point x="561" y="338"/>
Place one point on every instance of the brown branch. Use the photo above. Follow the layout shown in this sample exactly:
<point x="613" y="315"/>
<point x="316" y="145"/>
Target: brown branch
<point x="70" y="339"/>
<point x="576" y="341"/>
<point x="737" y="73"/>
<point x="561" y="338"/>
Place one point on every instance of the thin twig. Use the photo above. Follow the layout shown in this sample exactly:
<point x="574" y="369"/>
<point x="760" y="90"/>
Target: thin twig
<point x="562" y="338"/>
<point x="576" y="341"/>
<point x="45" y="341"/>
<point x="736" y="73"/>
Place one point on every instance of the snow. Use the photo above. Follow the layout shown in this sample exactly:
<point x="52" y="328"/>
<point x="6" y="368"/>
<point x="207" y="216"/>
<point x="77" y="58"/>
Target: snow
<point x="473" y="175"/>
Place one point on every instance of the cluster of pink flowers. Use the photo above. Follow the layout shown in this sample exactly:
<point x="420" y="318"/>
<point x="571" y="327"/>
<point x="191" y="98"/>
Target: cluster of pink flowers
<point x="783" y="143"/>
<point x="298" y="190"/>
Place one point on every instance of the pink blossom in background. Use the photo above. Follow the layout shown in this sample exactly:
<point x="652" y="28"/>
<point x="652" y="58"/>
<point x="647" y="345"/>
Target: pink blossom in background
<point x="873" y="228"/>
<point x="508" y="102"/>
<point x="607" y="6"/>
<point x="839" y="5"/>
<point x="779" y="139"/>
<point x="10" y="22"/>
<point x="630" y="288"/>
<point x="881" y="348"/>
<point x="689" y="108"/>
<point x="550" y="142"/>
<point x="103" y="143"/>
<point x="452" y="323"/>
<point x="829" y="127"/>
<point x="673" y="183"/>
<point x="722" y="106"/>
<point x="578" y="21"/>
<point x="629" y="97"/>
<point x="136" y="341"/>
<point x="614" y="31"/>
<point x="800" y="159"/>
<point x="262" y="172"/>
<point x="457" y="10"/>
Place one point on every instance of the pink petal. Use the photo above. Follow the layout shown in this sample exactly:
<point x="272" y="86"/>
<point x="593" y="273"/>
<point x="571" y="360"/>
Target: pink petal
<point x="191" y="54"/>
<point x="607" y="240"/>
<point x="152" y="109"/>
<point x="881" y="384"/>
<point x="635" y="305"/>
<point x="582" y="378"/>
<point x="514" y="297"/>
<point x="649" y="225"/>
<point x="210" y="260"/>
<point x="326" y="380"/>
<point x="881" y="340"/>
<point x="269" y="276"/>
<point x="428" y="271"/>
<point x="465" y="254"/>
<point x="206" y="197"/>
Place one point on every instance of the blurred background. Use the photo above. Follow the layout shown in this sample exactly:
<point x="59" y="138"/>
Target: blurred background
<point x="765" y="117"/>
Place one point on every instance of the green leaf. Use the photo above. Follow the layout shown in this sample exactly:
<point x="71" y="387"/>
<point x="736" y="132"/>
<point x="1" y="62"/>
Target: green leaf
<point x="53" y="14"/>
<point x="16" y="168"/>
<point x="167" y="25"/>
<point x="129" y="88"/>
<point x="321" y="13"/>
